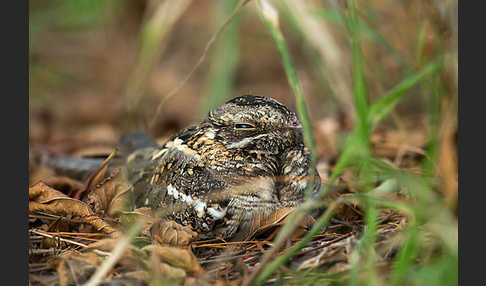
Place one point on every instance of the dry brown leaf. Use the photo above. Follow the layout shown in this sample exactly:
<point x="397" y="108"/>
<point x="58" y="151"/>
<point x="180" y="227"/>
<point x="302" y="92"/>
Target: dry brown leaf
<point x="94" y="178"/>
<point x="182" y="258"/>
<point x="170" y="272"/>
<point x="64" y="184"/>
<point x="46" y="199"/>
<point x="172" y="234"/>
<point x="110" y="196"/>
<point x="272" y="223"/>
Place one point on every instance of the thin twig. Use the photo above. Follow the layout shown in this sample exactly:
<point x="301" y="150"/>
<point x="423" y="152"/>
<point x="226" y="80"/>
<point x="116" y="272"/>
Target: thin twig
<point x="99" y="252"/>
<point x="76" y="233"/>
<point x="323" y="245"/>
<point x="233" y="243"/>
<point x="222" y="259"/>
<point x="54" y="217"/>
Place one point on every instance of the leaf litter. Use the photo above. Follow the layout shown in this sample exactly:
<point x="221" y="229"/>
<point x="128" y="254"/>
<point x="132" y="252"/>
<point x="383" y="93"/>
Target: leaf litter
<point x="74" y="226"/>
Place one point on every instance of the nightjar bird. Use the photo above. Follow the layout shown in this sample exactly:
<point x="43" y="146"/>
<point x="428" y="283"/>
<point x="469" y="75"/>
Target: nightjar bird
<point x="243" y="162"/>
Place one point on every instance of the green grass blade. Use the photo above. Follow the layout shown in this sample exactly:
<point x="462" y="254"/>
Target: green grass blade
<point x="270" y="19"/>
<point x="366" y="250"/>
<point x="282" y="259"/>
<point x="405" y="256"/>
<point x="385" y="104"/>
<point x="420" y="44"/>
<point x="336" y="18"/>
<point x="359" y="84"/>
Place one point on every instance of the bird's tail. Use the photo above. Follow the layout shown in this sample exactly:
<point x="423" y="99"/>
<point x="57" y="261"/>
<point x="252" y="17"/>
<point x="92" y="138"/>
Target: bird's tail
<point x="81" y="168"/>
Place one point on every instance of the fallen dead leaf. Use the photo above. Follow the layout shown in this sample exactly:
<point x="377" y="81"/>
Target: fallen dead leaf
<point x="107" y="196"/>
<point x="111" y="196"/>
<point x="43" y="198"/>
<point x="95" y="178"/>
<point x="272" y="223"/>
<point x="182" y="258"/>
<point x="64" y="184"/>
<point x="172" y="234"/>
<point x="171" y="273"/>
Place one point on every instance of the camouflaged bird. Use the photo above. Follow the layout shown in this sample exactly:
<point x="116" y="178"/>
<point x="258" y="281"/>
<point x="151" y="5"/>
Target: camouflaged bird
<point x="225" y="174"/>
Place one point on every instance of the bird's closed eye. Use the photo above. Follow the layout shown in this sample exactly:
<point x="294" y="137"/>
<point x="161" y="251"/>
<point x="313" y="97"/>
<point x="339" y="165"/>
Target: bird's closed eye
<point x="244" y="126"/>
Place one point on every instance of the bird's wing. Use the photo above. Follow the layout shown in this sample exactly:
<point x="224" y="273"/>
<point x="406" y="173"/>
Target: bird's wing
<point x="295" y="176"/>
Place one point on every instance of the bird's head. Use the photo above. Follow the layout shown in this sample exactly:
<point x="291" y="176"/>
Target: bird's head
<point x="255" y="123"/>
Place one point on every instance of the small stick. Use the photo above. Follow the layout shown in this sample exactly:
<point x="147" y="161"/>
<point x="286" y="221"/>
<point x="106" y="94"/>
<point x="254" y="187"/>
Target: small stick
<point x="99" y="252"/>
<point x="233" y="242"/>
<point x="76" y="233"/>
<point x="324" y="245"/>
